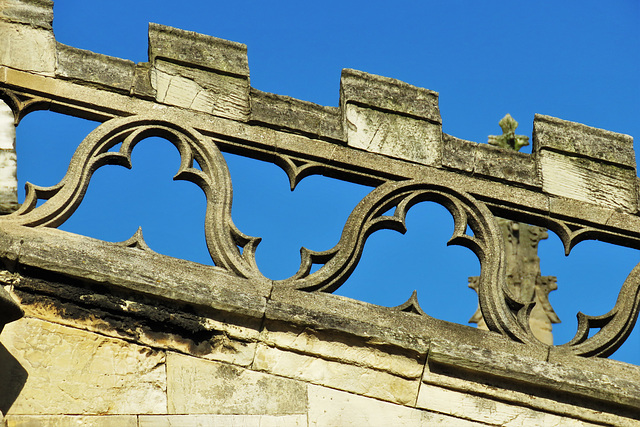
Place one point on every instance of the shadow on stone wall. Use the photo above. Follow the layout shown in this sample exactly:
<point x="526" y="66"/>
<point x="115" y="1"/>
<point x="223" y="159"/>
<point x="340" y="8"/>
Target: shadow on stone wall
<point x="12" y="379"/>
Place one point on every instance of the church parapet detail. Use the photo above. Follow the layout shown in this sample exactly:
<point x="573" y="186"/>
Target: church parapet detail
<point x="194" y="91"/>
<point x="523" y="278"/>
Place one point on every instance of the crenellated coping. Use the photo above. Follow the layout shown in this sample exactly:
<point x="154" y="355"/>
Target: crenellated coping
<point x="584" y="163"/>
<point x="376" y="114"/>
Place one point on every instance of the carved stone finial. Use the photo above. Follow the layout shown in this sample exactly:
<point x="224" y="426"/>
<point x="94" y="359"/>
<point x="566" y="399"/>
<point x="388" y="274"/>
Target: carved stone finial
<point x="509" y="139"/>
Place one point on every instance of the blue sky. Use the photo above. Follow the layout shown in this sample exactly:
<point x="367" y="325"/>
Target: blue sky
<point x="576" y="60"/>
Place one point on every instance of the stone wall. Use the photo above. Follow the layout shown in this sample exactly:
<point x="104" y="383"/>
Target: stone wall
<point x="115" y="334"/>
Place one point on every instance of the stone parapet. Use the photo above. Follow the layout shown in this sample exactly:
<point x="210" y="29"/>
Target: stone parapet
<point x="281" y="360"/>
<point x="378" y="115"/>
<point x="115" y="334"/>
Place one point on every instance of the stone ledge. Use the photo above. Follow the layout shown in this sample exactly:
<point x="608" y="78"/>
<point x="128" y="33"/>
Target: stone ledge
<point x="489" y="161"/>
<point x="197" y="50"/>
<point x="141" y="271"/>
<point x="615" y="386"/>
<point x="389" y="345"/>
<point x="87" y="67"/>
<point x="283" y="112"/>
<point x="388" y="94"/>
<point x="575" y="138"/>
<point x="36" y="13"/>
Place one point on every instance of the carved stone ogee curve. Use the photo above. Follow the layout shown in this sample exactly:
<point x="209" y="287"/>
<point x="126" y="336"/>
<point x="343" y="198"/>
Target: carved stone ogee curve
<point x="503" y="312"/>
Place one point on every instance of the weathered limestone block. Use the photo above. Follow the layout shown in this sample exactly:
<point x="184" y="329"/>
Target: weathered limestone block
<point x="506" y="165"/>
<point x="289" y="113"/>
<point x="342" y="376"/>
<point x="218" y="94"/>
<point x="36" y="13"/>
<point x="76" y="372"/>
<point x="87" y="67"/>
<point x="553" y="376"/>
<point x="548" y="402"/>
<point x="458" y="153"/>
<point x="330" y="346"/>
<point x="384" y="93"/>
<point x="329" y="407"/>
<point x="142" y="82"/>
<point x="585" y="163"/>
<point x="72" y="421"/>
<point x="196" y="386"/>
<point x="393" y="135"/>
<point x="222" y="420"/>
<point x="490" y="411"/>
<point x="200" y="72"/>
<point x="487" y="160"/>
<point x="390" y="117"/>
<point x="8" y="161"/>
<point x="27" y="48"/>
<point x="197" y="50"/>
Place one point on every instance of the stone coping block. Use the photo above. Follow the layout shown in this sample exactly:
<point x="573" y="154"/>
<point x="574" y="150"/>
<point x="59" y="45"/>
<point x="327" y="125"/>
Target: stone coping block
<point x="138" y="270"/>
<point x="36" y="13"/>
<point x="577" y="139"/>
<point x="284" y="112"/>
<point x="388" y="94"/>
<point x="197" y="50"/>
<point x="89" y="67"/>
<point x="614" y="386"/>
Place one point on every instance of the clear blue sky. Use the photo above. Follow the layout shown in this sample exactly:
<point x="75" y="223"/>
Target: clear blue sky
<point x="577" y="60"/>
